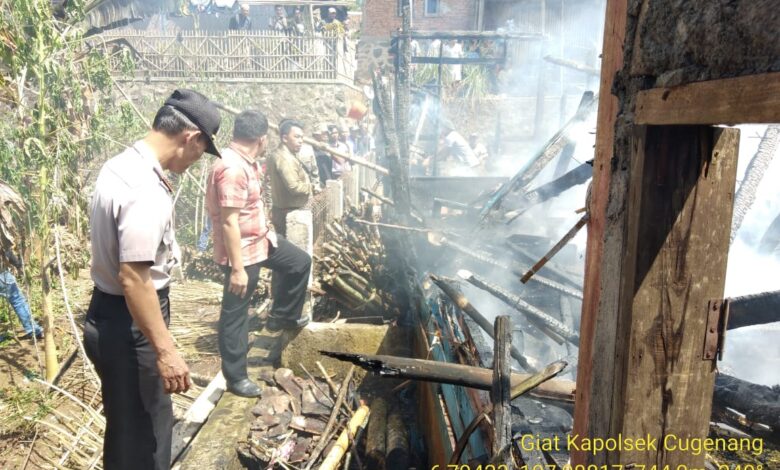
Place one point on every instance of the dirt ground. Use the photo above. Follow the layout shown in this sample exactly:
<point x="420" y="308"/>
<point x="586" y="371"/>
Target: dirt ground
<point x="60" y="430"/>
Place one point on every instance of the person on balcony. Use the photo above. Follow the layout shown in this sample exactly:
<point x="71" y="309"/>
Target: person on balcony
<point x="241" y="21"/>
<point x="279" y="21"/>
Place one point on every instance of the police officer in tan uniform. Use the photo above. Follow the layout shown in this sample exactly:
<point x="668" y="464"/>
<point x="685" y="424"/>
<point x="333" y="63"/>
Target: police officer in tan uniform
<point x="133" y="252"/>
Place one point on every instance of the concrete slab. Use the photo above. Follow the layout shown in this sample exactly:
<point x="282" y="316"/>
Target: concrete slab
<point x="214" y="447"/>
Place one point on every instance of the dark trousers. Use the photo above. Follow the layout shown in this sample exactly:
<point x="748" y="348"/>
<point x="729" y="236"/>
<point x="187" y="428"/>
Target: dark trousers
<point x="290" y="268"/>
<point x="139" y="416"/>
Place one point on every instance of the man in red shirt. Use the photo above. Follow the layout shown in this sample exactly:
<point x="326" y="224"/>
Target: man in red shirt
<point x="243" y="244"/>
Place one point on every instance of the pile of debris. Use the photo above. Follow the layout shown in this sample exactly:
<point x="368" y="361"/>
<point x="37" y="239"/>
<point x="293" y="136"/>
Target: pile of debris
<point x="352" y="272"/>
<point x="304" y="422"/>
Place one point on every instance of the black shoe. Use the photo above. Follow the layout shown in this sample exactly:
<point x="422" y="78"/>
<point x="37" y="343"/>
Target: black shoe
<point x="245" y="388"/>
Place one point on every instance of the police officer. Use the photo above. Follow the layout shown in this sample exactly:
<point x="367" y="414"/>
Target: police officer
<point x="133" y="252"/>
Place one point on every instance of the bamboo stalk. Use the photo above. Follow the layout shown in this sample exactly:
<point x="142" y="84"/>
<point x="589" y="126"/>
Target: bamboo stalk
<point x="332" y="419"/>
<point x="342" y="444"/>
<point x="555" y="249"/>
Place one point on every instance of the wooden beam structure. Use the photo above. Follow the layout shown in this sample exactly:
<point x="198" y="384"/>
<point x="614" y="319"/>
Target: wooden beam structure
<point x="611" y="63"/>
<point x="674" y="253"/>
<point x="475" y="35"/>
<point x="752" y="99"/>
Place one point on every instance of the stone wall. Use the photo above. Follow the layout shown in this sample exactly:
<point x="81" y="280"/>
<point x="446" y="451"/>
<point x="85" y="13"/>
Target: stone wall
<point x="680" y="41"/>
<point x="373" y="53"/>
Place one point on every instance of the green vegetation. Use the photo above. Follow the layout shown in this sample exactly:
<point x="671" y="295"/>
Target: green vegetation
<point x="53" y="91"/>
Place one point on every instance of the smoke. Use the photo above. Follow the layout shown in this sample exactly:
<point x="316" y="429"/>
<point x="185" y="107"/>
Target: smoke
<point x="753" y="353"/>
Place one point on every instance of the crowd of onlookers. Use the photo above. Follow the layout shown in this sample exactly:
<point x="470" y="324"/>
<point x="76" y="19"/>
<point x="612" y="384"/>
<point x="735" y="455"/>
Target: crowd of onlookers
<point x="290" y="20"/>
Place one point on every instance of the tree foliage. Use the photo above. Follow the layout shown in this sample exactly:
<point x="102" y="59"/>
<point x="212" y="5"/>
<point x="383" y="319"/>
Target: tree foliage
<point x="52" y="92"/>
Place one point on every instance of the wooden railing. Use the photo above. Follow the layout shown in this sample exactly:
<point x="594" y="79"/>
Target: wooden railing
<point x="234" y="56"/>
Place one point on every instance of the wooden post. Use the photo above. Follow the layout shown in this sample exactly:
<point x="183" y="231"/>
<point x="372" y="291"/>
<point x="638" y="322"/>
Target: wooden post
<point x="499" y="395"/>
<point x="403" y="93"/>
<point x="612" y="61"/>
<point x="653" y="380"/>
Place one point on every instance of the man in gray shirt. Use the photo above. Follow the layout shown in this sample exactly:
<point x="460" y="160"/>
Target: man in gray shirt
<point x="133" y="251"/>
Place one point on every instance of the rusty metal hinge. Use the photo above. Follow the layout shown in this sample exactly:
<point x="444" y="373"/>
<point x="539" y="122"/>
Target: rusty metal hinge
<point x="715" y="335"/>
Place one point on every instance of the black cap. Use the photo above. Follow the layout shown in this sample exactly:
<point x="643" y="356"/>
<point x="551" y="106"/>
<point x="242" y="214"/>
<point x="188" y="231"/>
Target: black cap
<point x="201" y="111"/>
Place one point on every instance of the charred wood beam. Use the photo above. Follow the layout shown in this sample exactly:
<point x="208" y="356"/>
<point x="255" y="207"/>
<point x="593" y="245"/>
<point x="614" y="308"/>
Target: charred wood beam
<point x="552" y="148"/>
<point x="465" y="306"/>
<point x="381" y="198"/>
<point x="540" y="318"/>
<point x="403" y="96"/>
<point x="757" y="309"/>
<point x="539" y="385"/>
<point x="499" y="394"/>
<point x="458" y="60"/>
<point x="376" y="435"/>
<point x="487" y="258"/>
<point x="759" y="403"/>
<point x="550" y="190"/>
<point x="490" y="35"/>
<point x="397" y="440"/>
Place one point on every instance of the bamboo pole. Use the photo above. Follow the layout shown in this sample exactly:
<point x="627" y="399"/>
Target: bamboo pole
<point x="342" y="444"/>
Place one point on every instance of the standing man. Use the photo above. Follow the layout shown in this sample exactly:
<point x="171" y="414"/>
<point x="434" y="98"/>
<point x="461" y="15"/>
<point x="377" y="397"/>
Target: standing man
<point x="340" y="165"/>
<point x="133" y="251"/>
<point x="241" y="20"/>
<point x="243" y="244"/>
<point x="279" y="21"/>
<point x="324" y="162"/>
<point x="290" y="183"/>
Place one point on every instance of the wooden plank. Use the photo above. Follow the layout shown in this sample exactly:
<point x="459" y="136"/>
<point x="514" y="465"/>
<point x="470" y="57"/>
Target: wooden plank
<point x="741" y="100"/>
<point x="185" y="430"/>
<point x="677" y="220"/>
<point x="611" y="63"/>
<point x="499" y="395"/>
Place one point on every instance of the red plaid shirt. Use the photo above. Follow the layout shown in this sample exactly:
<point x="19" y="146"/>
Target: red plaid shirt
<point x="236" y="181"/>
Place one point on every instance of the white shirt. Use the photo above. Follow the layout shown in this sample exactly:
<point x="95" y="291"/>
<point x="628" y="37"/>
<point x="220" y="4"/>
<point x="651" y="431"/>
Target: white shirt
<point x="132" y="219"/>
<point x="460" y="149"/>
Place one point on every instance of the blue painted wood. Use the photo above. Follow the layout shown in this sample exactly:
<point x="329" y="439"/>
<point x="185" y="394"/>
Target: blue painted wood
<point x="459" y="405"/>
